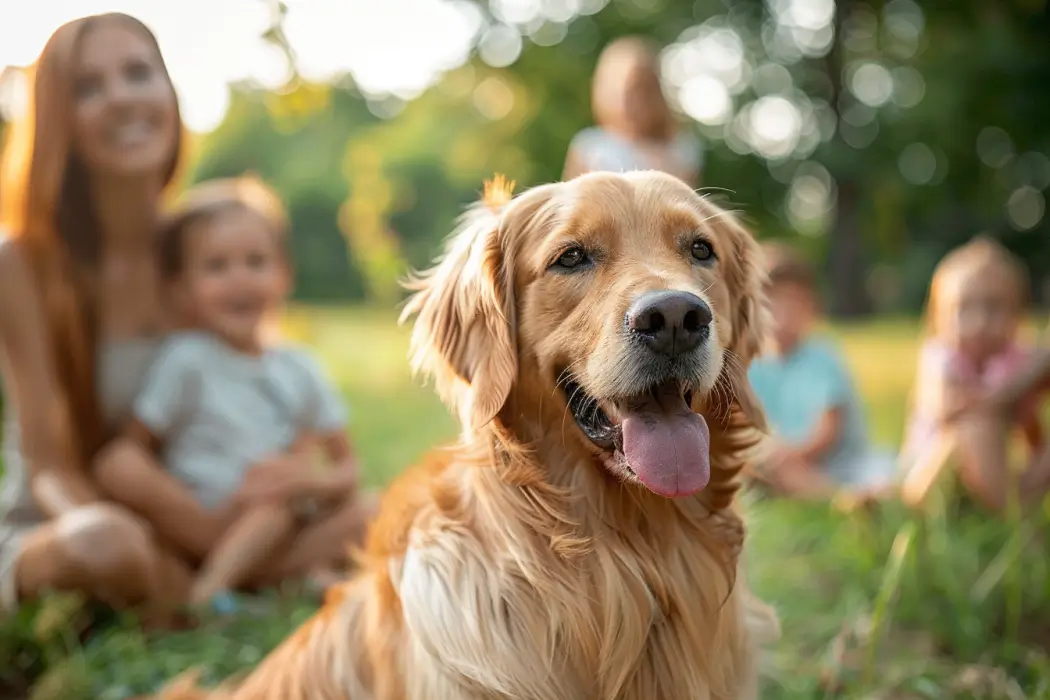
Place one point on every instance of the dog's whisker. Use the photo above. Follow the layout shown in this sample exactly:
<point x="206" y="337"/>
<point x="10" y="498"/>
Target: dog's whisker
<point x="566" y="374"/>
<point x="707" y="189"/>
<point x="567" y="410"/>
<point x="731" y="214"/>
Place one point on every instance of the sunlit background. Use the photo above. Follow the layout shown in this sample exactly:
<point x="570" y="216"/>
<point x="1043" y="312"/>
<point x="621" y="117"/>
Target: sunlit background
<point x="392" y="47"/>
<point x="873" y="134"/>
<point x="878" y="133"/>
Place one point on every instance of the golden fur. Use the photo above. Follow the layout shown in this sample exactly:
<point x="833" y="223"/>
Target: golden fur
<point x="513" y="565"/>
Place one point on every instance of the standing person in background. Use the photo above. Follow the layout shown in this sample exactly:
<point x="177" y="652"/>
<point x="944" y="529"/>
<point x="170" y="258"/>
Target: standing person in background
<point x="635" y="128"/>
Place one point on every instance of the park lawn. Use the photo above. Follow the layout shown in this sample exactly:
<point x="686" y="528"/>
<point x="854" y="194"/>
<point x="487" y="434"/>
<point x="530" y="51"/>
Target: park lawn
<point x="873" y="604"/>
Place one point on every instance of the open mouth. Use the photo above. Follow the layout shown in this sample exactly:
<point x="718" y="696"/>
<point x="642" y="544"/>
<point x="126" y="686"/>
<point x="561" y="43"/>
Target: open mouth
<point x="654" y="437"/>
<point x="132" y="134"/>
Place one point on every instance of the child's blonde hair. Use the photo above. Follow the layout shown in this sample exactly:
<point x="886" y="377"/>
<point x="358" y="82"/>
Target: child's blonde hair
<point x="980" y="252"/>
<point x="210" y="199"/>
<point x="652" y="119"/>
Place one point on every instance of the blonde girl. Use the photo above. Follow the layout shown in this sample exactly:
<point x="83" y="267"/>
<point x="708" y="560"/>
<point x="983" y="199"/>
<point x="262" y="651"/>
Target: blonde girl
<point x="971" y="351"/>
<point x="634" y="126"/>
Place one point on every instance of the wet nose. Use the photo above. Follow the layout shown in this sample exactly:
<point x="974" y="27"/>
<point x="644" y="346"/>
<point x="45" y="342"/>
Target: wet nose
<point x="670" y="323"/>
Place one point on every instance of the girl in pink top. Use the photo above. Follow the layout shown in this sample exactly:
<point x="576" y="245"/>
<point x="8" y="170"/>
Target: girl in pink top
<point x="977" y="298"/>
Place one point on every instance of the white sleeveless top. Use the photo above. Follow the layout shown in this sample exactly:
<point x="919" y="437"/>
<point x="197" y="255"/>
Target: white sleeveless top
<point x="602" y="150"/>
<point x="121" y="368"/>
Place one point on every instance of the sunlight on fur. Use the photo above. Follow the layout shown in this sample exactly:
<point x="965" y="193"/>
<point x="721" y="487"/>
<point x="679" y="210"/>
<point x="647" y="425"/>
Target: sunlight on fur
<point x="580" y="539"/>
<point x="498" y="192"/>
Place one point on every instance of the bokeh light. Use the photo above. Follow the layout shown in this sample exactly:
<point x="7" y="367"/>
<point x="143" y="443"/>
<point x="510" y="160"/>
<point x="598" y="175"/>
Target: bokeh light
<point x="917" y="163"/>
<point x="493" y="98"/>
<point x="706" y="99"/>
<point x="994" y="146"/>
<point x="909" y="87"/>
<point x="810" y="199"/>
<point x="1035" y="169"/>
<point x="500" y="46"/>
<point x="1025" y="208"/>
<point x="775" y="125"/>
<point x="871" y="83"/>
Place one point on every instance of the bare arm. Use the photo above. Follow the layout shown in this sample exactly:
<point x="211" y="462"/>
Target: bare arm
<point x="337" y="478"/>
<point x="1034" y="377"/>
<point x="923" y="475"/>
<point x="835" y="391"/>
<point x="58" y="481"/>
<point x="131" y="475"/>
<point x="940" y="394"/>
<point x="826" y="433"/>
<point x="341" y="478"/>
<point x="941" y="397"/>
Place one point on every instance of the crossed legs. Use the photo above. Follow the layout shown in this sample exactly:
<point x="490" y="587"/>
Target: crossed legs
<point x="104" y="551"/>
<point x="978" y="445"/>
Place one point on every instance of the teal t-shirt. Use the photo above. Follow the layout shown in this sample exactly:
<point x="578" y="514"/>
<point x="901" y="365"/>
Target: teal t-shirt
<point x="797" y="389"/>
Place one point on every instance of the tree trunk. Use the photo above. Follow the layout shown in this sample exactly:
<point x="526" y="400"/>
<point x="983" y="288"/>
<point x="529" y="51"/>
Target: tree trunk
<point x="847" y="268"/>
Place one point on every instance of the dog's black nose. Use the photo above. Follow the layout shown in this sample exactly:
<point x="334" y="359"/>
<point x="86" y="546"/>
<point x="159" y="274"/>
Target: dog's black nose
<point x="670" y="323"/>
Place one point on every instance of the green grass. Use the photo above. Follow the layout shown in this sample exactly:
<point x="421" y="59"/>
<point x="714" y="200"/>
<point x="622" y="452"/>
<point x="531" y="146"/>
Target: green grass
<point x="876" y="605"/>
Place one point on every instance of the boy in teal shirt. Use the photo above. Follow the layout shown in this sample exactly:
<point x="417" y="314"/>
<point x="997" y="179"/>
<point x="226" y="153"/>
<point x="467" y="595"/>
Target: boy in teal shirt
<point x="819" y="444"/>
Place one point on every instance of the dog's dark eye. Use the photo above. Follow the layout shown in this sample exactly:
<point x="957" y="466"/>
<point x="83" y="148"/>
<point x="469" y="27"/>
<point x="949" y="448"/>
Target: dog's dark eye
<point x="701" y="250"/>
<point x="571" y="258"/>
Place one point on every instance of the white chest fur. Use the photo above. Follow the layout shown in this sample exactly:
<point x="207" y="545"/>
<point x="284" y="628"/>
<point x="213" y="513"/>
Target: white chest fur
<point x="619" y="622"/>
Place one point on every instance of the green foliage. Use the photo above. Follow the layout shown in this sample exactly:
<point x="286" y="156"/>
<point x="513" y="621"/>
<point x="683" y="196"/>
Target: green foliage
<point x="296" y="142"/>
<point x="982" y="65"/>
<point x="875" y="604"/>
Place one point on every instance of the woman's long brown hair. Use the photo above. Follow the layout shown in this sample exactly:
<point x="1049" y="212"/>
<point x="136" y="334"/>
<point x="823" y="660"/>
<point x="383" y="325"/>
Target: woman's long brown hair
<point x="45" y="205"/>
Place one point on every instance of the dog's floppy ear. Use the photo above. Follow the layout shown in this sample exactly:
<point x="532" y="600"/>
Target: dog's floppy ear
<point x="746" y="275"/>
<point x="464" y="335"/>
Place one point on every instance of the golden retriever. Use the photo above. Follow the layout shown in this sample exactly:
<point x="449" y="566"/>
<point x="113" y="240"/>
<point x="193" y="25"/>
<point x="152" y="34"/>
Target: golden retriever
<point x="579" y="541"/>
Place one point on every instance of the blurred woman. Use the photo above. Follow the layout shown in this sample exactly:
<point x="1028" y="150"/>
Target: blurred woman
<point x="81" y="320"/>
<point x="635" y="128"/>
<point x="80" y="312"/>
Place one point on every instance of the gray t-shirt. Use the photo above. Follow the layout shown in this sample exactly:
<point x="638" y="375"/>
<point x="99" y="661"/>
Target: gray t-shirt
<point x="218" y="411"/>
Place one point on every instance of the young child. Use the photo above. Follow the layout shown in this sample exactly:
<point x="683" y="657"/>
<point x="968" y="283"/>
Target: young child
<point x="635" y="128"/>
<point x="819" y="445"/>
<point x="971" y="351"/>
<point x="235" y="419"/>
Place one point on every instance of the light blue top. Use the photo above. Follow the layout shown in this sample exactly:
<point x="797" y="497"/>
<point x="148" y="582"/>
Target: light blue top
<point x="218" y="412"/>
<point x="798" y="389"/>
<point x="604" y="150"/>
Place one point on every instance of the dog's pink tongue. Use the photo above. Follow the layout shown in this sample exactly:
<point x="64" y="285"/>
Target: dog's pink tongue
<point x="667" y="445"/>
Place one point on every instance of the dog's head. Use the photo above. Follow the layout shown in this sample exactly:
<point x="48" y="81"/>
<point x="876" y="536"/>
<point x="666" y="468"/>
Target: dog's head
<point x="628" y="301"/>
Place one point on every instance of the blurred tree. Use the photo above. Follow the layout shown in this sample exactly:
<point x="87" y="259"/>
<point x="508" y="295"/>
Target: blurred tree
<point x="289" y="140"/>
<point x="876" y="134"/>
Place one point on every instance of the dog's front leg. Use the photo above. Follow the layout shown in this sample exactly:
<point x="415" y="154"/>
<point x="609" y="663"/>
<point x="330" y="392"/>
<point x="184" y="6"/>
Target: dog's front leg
<point x="478" y="630"/>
